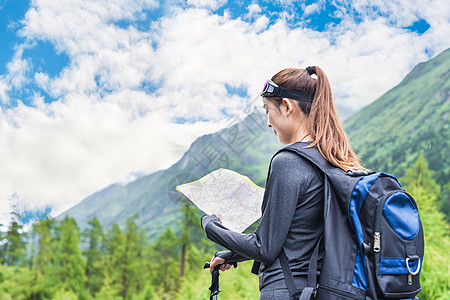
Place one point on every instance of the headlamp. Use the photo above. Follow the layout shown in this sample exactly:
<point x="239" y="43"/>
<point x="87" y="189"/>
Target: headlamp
<point x="271" y="89"/>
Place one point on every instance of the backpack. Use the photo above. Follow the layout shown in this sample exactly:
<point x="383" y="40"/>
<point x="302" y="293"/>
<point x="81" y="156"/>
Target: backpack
<point x="373" y="237"/>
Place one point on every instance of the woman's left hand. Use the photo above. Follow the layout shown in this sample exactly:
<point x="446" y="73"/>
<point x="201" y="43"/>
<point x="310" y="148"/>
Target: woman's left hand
<point x="218" y="261"/>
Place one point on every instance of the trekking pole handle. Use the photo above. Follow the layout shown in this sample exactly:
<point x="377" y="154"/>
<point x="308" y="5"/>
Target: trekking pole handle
<point x="214" y="288"/>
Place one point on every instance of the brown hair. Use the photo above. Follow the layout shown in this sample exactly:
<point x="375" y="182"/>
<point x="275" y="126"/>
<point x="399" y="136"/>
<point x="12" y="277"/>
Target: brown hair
<point x="323" y="122"/>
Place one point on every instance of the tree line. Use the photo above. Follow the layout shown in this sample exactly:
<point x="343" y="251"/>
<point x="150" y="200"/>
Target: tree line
<point x="54" y="260"/>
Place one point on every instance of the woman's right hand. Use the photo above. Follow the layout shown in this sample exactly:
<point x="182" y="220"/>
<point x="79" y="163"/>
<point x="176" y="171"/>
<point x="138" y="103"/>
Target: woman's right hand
<point x="218" y="261"/>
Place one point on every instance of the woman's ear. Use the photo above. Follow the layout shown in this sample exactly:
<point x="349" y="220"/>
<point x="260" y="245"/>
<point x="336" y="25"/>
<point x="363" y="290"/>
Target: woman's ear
<point x="288" y="105"/>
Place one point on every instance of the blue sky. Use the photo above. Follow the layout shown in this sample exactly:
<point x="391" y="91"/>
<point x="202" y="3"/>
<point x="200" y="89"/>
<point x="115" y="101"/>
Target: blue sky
<point x="94" y="92"/>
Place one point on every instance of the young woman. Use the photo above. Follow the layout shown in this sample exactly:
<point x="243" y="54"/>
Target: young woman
<point x="299" y="109"/>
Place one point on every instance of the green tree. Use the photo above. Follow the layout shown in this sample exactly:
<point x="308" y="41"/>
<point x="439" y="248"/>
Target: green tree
<point x="70" y="262"/>
<point x="133" y="277"/>
<point x="14" y="247"/>
<point x="45" y="279"/>
<point x="107" y="290"/>
<point x="115" y="259"/>
<point x="164" y="263"/>
<point x="95" y="271"/>
<point x="64" y="294"/>
<point x="15" y="283"/>
<point x="435" y="276"/>
<point x="189" y="227"/>
<point x="446" y="201"/>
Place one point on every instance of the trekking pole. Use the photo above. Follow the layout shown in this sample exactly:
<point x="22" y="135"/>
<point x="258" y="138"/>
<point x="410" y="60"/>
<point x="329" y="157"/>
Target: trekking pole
<point x="214" y="288"/>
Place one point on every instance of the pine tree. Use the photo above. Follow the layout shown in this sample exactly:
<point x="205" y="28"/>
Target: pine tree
<point x="446" y="201"/>
<point x="164" y="263"/>
<point x="45" y="279"/>
<point x="71" y="264"/>
<point x="14" y="247"/>
<point x="95" y="272"/>
<point x="115" y="258"/>
<point x="134" y="275"/>
<point x="435" y="276"/>
<point x="107" y="290"/>
<point x="190" y="228"/>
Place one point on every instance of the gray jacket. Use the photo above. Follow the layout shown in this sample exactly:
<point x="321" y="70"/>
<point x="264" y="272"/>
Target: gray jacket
<point x="292" y="217"/>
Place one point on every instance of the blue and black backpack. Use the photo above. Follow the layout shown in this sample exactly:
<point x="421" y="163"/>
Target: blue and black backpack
<point x="373" y="237"/>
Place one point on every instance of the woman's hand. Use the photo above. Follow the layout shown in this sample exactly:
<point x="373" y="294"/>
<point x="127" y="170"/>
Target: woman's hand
<point x="220" y="217"/>
<point x="218" y="261"/>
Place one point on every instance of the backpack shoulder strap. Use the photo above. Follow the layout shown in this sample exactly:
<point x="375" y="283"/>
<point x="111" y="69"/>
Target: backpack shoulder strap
<point x="314" y="156"/>
<point x="311" y="288"/>
<point x="335" y="179"/>
<point x="311" y="154"/>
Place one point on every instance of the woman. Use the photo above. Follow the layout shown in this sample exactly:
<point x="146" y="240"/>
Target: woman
<point x="299" y="109"/>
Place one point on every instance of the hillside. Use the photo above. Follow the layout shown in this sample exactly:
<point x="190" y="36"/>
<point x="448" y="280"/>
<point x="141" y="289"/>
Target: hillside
<point x="389" y="135"/>
<point x="410" y="119"/>
<point x="245" y="147"/>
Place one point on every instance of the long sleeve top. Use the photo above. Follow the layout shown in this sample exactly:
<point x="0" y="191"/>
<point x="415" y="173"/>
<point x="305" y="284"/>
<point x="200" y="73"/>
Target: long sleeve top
<point x="292" y="217"/>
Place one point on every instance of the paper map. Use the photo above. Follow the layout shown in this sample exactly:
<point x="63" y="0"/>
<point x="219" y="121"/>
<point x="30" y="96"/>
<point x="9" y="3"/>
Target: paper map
<point x="229" y="194"/>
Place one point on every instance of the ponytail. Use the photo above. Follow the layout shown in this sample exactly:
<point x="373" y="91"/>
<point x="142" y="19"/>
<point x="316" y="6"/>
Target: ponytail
<point x="328" y="133"/>
<point x="323" y="123"/>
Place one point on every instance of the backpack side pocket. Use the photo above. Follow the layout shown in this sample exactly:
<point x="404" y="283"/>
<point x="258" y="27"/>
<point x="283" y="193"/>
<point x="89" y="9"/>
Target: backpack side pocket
<point x="398" y="246"/>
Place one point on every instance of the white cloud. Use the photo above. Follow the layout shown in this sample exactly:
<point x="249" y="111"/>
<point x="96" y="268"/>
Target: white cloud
<point x="253" y="10"/>
<point x="362" y="60"/>
<point x="104" y="127"/>
<point x="15" y="77"/>
<point x="16" y="71"/>
<point x="4" y="88"/>
<point x="62" y="152"/>
<point x="210" y="4"/>
<point x="402" y="13"/>
<point x="311" y="9"/>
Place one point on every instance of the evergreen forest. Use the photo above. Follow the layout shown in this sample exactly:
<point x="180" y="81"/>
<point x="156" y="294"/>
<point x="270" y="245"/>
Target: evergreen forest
<point x="54" y="260"/>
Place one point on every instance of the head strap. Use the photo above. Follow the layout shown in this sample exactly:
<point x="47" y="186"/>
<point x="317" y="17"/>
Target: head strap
<point x="271" y="89"/>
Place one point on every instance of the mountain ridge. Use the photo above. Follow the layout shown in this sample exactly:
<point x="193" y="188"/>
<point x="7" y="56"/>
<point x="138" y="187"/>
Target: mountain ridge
<point x="154" y="198"/>
<point x="411" y="118"/>
<point x="381" y="134"/>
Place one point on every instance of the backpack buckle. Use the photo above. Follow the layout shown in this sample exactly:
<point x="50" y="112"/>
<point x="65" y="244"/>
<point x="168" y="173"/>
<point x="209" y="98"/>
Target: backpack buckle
<point x="414" y="257"/>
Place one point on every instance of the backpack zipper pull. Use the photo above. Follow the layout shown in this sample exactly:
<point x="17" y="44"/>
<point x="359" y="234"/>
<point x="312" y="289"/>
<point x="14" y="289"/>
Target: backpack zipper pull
<point x="376" y="242"/>
<point x="409" y="279"/>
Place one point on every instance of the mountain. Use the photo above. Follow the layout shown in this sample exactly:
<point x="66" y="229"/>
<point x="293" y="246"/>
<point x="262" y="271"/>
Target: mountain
<point x="245" y="147"/>
<point x="410" y="119"/>
<point x="388" y="135"/>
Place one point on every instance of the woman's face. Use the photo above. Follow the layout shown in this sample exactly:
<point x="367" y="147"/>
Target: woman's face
<point x="277" y="120"/>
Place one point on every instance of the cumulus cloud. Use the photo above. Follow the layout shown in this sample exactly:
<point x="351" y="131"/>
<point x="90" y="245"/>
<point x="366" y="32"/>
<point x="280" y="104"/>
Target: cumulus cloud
<point x="252" y="10"/>
<point x="311" y="9"/>
<point x="56" y="154"/>
<point x="211" y="4"/>
<point x="4" y="88"/>
<point x="132" y="101"/>
<point x="16" y="76"/>
<point x="402" y="12"/>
